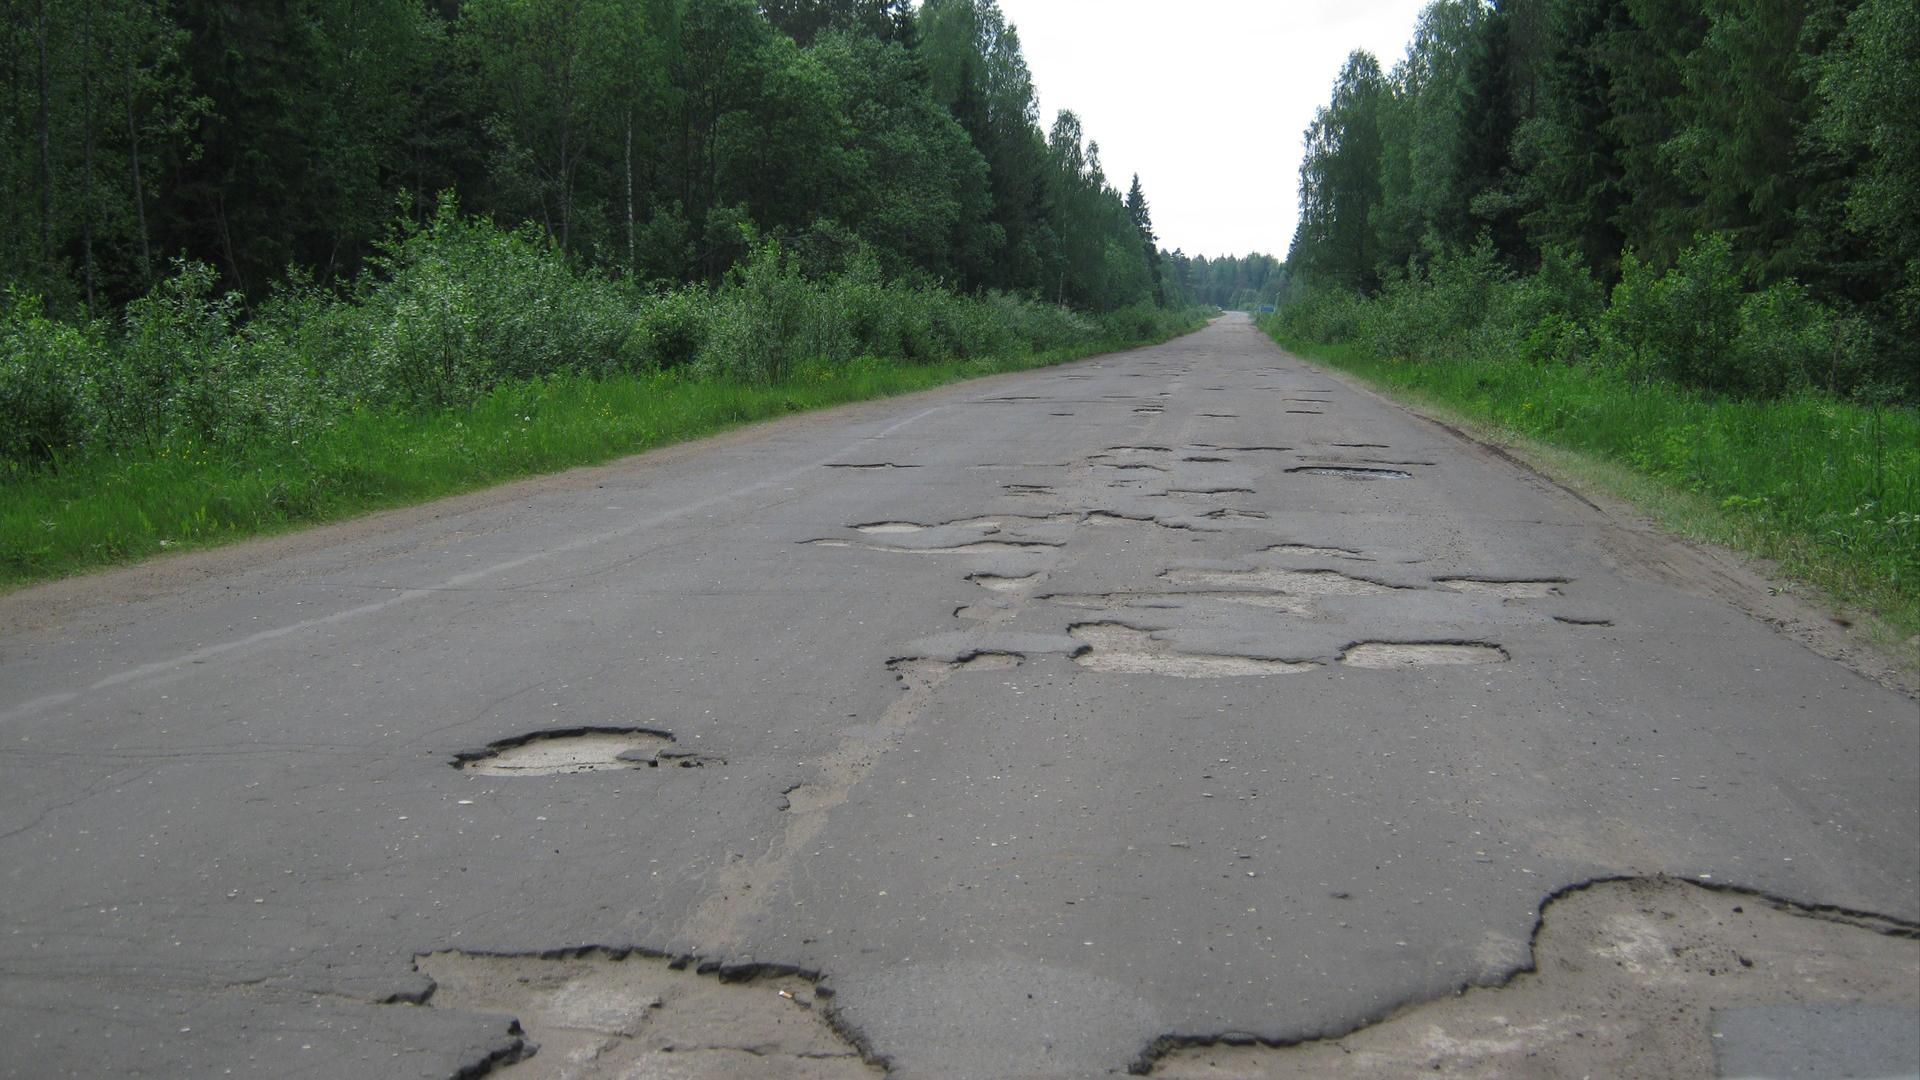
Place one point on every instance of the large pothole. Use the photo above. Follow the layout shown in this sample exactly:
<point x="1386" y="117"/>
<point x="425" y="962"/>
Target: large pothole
<point x="1408" y="654"/>
<point x="1121" y="649"/>
<point x="600" y="1015"/>
<point x="580" y="750"/>
<point x="1297" y="582"/>
<point x="1636" y="978"/>
<point x="1507" y="588"/>
<point x="1352" y="472"/>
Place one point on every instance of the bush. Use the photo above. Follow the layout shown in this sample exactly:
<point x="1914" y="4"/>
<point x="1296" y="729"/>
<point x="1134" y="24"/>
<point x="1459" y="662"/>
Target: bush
<point x="452" y="309"/>
<point x="464" y="306"/>
<point x="670" y="330"/>
<point x="760" y="320"/>
<point x="44" y="406"/>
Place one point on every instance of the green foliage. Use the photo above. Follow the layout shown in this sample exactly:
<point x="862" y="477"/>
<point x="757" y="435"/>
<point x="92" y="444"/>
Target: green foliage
<point x="44" y="388"/>
<point x="1832" y="487"/>
<point x="453" y="310"/>
<point x="1774" y="133"/>
<point x="1697" y="325"/>
<point x="649" y="139"/>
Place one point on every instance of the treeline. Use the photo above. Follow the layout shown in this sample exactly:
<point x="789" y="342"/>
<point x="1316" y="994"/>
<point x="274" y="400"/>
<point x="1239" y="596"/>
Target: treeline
<point x="1231" y="282"/>
<point x="1744" y="176"/>
<point x="657" y="140"/>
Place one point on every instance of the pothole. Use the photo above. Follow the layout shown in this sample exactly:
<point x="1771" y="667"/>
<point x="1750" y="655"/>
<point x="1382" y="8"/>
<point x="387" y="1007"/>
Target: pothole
<point x="1352" y="472"/>
<point x="595" y="1014"/>
<point x="1292" y="605"/>
<point x="978" y="547"/>
<point x="1395" y="654"/>
<point x="580" y="750"/>
<point x="1297" y="582"/>
<point x="1507" y="588"/>
<point x="1119" y="649"/>
<point x="1317" y="551"/>
<point x="1639" y="977"/>
<point x="1004" y="582"/>
<point x="983" y="524"/>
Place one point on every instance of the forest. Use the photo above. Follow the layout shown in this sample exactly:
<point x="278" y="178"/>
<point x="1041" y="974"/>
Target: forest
<point x="1673" y="245"/>
<point x="1724" y="194"/>
<point x="649" y="138"/>
<point x="253" y="244"/>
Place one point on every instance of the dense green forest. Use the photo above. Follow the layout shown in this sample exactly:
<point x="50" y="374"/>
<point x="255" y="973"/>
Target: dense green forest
<point x="652" y="138"/>
<point x="1238" y="283"/>
<point x="1674" y="244"/>
<point x="264" y="258"/>
<point x="1720" y="194"/>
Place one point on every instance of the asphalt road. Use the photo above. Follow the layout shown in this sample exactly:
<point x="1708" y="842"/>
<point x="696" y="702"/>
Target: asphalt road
<point x="1048" y="719"/>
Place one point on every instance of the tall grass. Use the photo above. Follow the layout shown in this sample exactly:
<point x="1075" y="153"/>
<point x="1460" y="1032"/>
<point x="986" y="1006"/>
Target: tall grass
<point x="1828" y="485"/>
<point x="185" y="490"/>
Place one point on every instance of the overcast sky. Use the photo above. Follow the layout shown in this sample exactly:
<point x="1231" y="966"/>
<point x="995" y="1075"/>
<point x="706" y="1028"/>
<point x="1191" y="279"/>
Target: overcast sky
<point x="1205" y="99"/>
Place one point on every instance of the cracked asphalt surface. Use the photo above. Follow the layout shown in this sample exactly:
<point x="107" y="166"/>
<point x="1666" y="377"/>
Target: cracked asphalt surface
<point x="1176" y="694"/>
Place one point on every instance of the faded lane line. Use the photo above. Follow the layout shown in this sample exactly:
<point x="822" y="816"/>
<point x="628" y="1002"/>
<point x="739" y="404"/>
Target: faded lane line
<point x="201" y="655"/>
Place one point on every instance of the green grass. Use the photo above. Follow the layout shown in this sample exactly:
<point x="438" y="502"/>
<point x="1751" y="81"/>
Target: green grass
<point x="1828" y="489"/>
<point x="120" y="508"/>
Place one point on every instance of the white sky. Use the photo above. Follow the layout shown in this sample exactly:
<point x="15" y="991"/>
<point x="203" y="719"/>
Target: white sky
<point x="1205" y="99"/>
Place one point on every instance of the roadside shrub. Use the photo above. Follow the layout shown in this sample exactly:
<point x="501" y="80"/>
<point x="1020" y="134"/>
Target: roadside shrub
<point x="1546" y="317"/>
<point x="1786" y="343"/>
<point x="760" y="320"/>
<point x="464" y="306"/>
<point x="1679" y="326"/>
<point x="1434" y="315"/>
<point x="670" y="330"/>
<point x="44" y="406"/>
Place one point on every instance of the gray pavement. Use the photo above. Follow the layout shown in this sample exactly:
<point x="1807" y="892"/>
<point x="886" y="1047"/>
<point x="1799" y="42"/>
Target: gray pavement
<point x="1048" y="719"/>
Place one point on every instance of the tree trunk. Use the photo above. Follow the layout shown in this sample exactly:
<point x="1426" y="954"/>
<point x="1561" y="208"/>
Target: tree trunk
<point x="86" y="168"/>
<point x="46" y="138"/>
<point x="630" y="247"/>
<point x="139" y="194"/>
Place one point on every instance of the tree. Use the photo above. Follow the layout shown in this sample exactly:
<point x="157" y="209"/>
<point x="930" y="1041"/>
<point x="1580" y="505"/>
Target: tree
<point x="1340" y="182"/>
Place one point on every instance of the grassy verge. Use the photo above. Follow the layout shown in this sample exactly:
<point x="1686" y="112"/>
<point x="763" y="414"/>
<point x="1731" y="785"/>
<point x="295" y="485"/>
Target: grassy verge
<point x="1827" y="489"/>
<point x="112" y="509"/>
